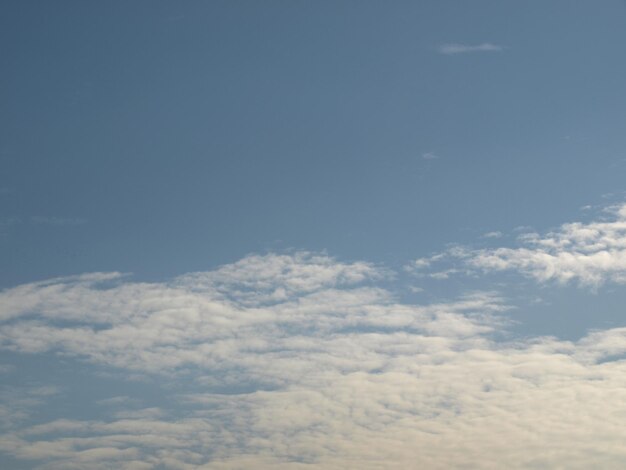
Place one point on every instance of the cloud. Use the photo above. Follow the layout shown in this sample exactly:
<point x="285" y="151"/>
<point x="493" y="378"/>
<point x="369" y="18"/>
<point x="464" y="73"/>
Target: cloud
<point x="451" y="49"/>
<point x="589" y="253"/>
<point x="300" y="360"/>
<point x="429" y="156"/>
<point x="495" y="234"/>
<point x="17" y="404"/>
<point x="211" y="319"/>
<point x="261" y="279"/>
<point x="424" y="267"/>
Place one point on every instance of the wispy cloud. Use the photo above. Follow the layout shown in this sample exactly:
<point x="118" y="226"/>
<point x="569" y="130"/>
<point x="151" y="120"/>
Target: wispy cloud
<point x="429" y="156"/>
<point x="494" y="234"/>
<point x="450" y="49"/>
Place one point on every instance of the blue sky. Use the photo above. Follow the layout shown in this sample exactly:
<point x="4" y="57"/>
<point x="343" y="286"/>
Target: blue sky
<point x="230" y="228"/>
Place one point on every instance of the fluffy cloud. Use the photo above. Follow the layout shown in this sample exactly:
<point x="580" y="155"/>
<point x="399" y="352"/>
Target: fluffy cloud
<point x="590" y="253"/>
<point x="301" y="361"/>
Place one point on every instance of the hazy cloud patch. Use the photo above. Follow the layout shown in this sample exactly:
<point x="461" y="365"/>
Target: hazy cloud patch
<point x="455" y="48"/>
<point x="494" y="234"/>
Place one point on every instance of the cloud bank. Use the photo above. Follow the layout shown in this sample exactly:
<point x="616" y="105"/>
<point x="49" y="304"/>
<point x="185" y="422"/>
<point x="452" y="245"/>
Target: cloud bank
<point x="301" y="361"/>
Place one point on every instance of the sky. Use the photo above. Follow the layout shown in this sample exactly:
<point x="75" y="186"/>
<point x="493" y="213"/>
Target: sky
<point x="297" y="235"/>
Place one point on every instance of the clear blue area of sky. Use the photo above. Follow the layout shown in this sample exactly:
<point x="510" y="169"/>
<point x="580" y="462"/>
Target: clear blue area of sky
<point x="165" y="137"/>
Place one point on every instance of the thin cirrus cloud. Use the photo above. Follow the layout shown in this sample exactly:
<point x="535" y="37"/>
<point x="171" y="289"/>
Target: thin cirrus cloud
<point x="453" y="48"/>
<point x="300" y="361"/>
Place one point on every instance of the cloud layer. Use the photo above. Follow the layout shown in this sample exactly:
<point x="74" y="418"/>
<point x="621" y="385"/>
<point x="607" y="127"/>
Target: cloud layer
<point x="302" y="361"/>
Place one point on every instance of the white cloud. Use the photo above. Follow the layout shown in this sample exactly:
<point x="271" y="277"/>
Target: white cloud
<point x="589" y="253"/>
<point x="429" y="156"/>
<point x="273" y="278"/>
<point x="336" y="373"/>
<point x="425" y="263"/>
<point x="450" y="49"/>
<point x="494" y="234"/>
